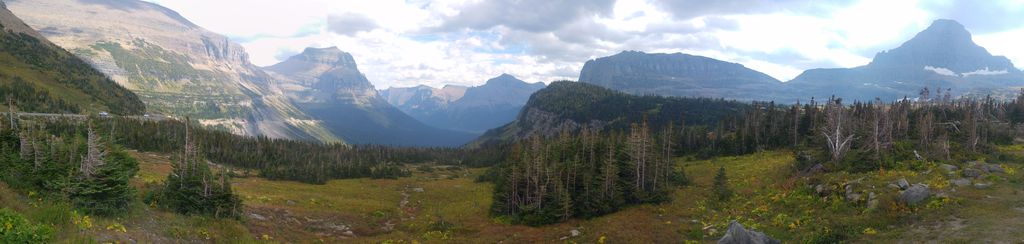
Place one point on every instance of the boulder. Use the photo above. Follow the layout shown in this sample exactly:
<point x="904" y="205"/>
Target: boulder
<point x="948" y="167"/>
<point x="739" y="235"/>
<point x="993" y="168"/>
<point x="853" y="197"/>
<point x="903" y="184"/>
<point x="917" y="193"/>
<point x="971" y="173"/>
<point x="980" y="185"/>
<point x="872" y="200"/>
<point x="822" y="190"/>
<point x="962" y="182"/>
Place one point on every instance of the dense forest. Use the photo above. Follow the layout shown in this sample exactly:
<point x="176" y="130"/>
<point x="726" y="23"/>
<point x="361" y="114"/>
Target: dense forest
<point x="585" y="173"/>
<point x="44" y="78"/>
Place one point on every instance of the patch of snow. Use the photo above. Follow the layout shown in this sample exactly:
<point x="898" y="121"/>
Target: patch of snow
<point x="941" y="71"/>
<point x="986" y="71"/>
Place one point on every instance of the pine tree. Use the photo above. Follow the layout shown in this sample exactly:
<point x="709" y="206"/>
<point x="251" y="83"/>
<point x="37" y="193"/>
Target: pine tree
<point x="101" y="183"/>
<point x="192" y="188"/>
<point x="721" y="189"/>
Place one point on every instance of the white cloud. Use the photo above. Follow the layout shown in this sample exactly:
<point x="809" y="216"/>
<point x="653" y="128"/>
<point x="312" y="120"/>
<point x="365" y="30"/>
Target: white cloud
<point x="941" y="71"/>
<point x="412" y="42"/>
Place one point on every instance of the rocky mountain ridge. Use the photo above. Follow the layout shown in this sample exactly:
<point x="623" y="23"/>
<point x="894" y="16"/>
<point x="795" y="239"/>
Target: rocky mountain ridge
<point x="471" y="109"/>
<point x="326" y="83"/>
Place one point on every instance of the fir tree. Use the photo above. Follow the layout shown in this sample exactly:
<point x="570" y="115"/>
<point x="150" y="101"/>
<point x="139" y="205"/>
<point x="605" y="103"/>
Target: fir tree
<point x="721" y="189"/>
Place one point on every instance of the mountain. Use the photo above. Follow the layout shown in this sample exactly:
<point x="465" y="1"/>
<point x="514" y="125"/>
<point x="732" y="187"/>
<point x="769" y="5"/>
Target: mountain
<point x="39" y="76"/>
<point x="166" y="60"/>
<point x="473" y="109"/>
<point x="566" y="105"/>
<point x="943" y="55"/>
<point x="678" y="74"/>
<point x="327" y="84"/>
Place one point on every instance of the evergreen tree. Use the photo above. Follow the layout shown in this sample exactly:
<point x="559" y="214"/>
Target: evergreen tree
<point x="721" y="189"/>
<point x="101" y="183"/>
<point x="192" y="188"/>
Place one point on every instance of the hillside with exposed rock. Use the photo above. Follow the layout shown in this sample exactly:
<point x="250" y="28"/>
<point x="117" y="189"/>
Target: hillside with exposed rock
<point x="166" y="60"/>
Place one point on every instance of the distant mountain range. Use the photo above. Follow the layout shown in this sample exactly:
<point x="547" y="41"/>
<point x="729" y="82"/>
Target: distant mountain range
<point x="942" y="56"/>
<point x="326" y="84"/>
<point x="469" y="109"/>
<point x="41" y="77"/>
<point x="320" y="94"/>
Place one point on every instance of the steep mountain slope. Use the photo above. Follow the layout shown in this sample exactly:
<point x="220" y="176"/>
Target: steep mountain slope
<point x="327" y="84"/>
<point x="574" y="105"/>
<point x="175" y="66"/>
<point x="943" y="55"/>
<point x="680" y="75"/>
<point x="475" y="110"/>
<point x="41" y="77"/>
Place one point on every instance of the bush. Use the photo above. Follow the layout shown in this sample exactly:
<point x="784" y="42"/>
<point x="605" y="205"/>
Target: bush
<point x="14" y="228"/>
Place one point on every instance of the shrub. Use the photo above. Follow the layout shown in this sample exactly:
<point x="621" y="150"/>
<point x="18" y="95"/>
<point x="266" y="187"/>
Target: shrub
<point x="14" y="228"/>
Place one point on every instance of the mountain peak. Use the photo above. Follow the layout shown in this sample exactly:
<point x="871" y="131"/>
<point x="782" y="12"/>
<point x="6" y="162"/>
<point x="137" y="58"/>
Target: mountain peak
<point x="504" y="80"/>
<point x="944" y="44"/>
<point x="328" y="55"/>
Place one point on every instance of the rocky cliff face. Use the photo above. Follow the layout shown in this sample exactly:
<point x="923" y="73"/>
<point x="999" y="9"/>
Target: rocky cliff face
<point x="176" y="67"/>
<point x="678" y="75"/>
<point x="326" y="83"/>
<point x="472" y="109"/>
<point x="943" y="55"/>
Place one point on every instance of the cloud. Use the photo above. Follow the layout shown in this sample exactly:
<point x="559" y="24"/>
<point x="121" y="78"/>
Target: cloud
<point x="686" y="9"/>
<point x="981" y="17"/>
<point x="350" y="23"/>
<point x="526" y="15"/>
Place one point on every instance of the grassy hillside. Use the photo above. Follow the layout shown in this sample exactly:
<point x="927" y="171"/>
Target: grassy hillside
<point x="41" y="77"/>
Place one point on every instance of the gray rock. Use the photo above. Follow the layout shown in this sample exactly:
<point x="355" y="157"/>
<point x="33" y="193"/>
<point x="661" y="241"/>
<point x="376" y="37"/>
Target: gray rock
<point x="417" y="189"/>
<point x="962" y="182"/>
<point x="574" y="233"/>
<point x="993" y="168"/>
<point x="903" y="184"/>
<point x="872" y="200"/>
<point x="917" y="193"/>
<point x="739" y="235"/>
<point x="257" y="216"/>
<point x="948" y="167"/>
<point x="853" y="197"/>
<point x="980" y="185"/>
<point x="823" y="190"/>
<point x="971" y="173"/>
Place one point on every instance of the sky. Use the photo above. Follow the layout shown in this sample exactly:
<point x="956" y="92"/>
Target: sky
<point x="401" y="43"/>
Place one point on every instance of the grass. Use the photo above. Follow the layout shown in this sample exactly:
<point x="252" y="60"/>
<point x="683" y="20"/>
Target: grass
<point x="443" y="205"/>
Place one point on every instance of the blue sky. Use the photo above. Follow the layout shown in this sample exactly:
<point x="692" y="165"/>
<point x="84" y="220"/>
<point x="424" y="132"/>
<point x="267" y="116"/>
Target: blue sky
<point x="465" y="42"/>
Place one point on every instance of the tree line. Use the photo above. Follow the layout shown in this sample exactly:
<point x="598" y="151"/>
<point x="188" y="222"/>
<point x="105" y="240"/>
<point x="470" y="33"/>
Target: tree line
<point x="587" y="173"/>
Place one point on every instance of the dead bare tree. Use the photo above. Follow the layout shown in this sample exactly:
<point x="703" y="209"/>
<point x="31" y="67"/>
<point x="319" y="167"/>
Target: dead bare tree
<point x="836" y="130"/>
<point x="94" y="154"/>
